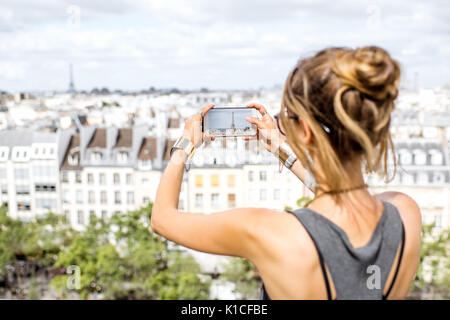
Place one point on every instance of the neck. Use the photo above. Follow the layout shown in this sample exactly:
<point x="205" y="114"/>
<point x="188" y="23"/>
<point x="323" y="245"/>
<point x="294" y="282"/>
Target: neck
<point x="355" y="181"/>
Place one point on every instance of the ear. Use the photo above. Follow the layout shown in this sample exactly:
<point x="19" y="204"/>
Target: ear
<point x="304" y="131"/>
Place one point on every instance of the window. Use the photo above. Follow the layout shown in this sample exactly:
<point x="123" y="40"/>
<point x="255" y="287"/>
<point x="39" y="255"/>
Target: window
<point x="45" y="188"/>
<point x="231" y="180"/>
<point x="436" y="157"/>
<point x="78" y="177"/>
<point x="96" y="156"/>
<point x="91" y="214"/>
<point x="65" y="176"/>
<point x="199" y="180"/>
<point x="44" y="171"/>
<point x="250" y="176"/>
<point x="80" y="217"/>
<point x="122" y="157"/>
<point x="199" y="200"/>
<point x="91" y="197"/>
<point x="146" y="200"/>
<point x="22" y="189"/>
<point x="439" y="177"/>
<point x="231" y="200"/>
<point x="129" y="178"/>
<point x="146" y="163"/>
<point x="104" y="214"/>
<point x="214" y="200"/>
<point x="405" y="156"/>
<point x="144" y="181"/>
<point x="407" y="178"/>
<point x="438" y="221"/>
<point x="130" y="197"/>
<point x="117" y="199"/>
<point x="214" y="180"/>
<point x="23" y="206"/>
<point x="79" y="196"/>
<point x="2" y="173"/>
<point x="116" y="178"/>
<point x="73" y="159"/>
<point x="422" y="178"/>
<point x="67" y="215"/>
<point x="103" y="198"/>
<point x="276" y="194"/>
<point x="90" y="178"/>
<point x="420" y="157"/>
<point x="102" y="178"/>
<point x="66" y="196"/>
<point x="262" y="194"/>
<point x="21" y="173"/>
<point x="262" y="176"/>
<point x="4" y="189"/>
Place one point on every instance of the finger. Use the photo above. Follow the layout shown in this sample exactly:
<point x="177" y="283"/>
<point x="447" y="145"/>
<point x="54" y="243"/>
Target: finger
<point x="209" y="137"/>
<point x="207" y="108"/>
<point x="254" y="120"/>
<point x="262" y="110"/>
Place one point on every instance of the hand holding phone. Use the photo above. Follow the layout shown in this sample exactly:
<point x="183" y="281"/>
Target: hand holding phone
<point x="229" y="122"/>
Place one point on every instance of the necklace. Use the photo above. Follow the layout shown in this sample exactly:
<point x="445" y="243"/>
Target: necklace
<point x="364" y="185"/>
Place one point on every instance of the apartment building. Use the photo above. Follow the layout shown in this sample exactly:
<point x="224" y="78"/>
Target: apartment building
<point x="29" y="173"/>
<point x="109" y="170"/>
<point x="423" y="172"/>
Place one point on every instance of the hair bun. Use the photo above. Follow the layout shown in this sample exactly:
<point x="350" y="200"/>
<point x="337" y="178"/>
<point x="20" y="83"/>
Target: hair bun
<point x="370" y="70"/>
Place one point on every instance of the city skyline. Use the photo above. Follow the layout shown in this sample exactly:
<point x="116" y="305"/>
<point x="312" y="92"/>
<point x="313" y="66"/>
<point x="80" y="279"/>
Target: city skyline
<point x="237" y="45"/>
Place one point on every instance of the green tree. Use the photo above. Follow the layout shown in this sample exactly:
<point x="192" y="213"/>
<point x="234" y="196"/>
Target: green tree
<point x="432" y="278"/>
<point x="245" y="276"/>
<point x="123" y="259"/>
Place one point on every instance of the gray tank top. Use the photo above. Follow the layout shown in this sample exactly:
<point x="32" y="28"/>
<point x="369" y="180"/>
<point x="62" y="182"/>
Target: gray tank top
<point x="357" y="273"/>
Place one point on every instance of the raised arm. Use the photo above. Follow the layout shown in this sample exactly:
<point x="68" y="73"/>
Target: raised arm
<point x="230" y="232"/>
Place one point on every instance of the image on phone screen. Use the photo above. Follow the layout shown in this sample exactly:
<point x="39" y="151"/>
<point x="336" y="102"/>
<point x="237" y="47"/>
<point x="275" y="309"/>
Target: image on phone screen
<point x="229" y="122"/>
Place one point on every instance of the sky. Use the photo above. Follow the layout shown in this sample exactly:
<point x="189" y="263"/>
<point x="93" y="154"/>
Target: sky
<point x="232" y="44"/>
<point x="222" y="119"/>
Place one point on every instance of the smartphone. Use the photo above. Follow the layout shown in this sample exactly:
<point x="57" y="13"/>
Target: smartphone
<point x="229" y="122"/>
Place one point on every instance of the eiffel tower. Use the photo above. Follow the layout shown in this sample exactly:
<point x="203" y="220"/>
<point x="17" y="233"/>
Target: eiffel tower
<point x="232" y="121"/>
<point x="71" y="84"/>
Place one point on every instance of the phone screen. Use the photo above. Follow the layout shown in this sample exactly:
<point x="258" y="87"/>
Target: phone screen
<point x="229" y="122"/>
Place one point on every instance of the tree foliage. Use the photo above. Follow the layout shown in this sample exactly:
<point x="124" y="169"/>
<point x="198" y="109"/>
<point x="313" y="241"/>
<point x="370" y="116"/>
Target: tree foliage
<point x="121" y="259"/>
<point x="118" y="259"/>
<point x="432" y="280"/>
<point x="245" y="276"/>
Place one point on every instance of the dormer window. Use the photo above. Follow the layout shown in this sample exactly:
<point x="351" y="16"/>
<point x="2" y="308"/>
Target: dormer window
<point x="420" y="157"/>
<point x="73" y="159"/>
<point x="96" y="156"/>
<point x="122" y="157"/>
<point x="146" y="163"/>
<point x="405" y="156"/>
<point x="436" y="157"/>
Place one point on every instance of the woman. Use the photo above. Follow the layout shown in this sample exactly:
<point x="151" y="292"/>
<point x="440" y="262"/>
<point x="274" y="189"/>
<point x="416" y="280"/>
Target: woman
<point x="348" y="243"/>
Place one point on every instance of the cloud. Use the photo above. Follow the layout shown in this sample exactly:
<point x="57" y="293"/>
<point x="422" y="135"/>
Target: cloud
<point x="187" y="43"/>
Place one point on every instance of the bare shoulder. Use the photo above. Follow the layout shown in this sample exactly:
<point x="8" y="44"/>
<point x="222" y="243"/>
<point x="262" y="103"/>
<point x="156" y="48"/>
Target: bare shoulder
<point x="276" y="232"/>
<point x="410" y="214"/>
<point x="408" y="208"/>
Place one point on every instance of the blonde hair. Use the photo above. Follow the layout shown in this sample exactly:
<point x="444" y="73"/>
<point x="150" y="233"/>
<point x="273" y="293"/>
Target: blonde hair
<point x="351" y="93"/>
